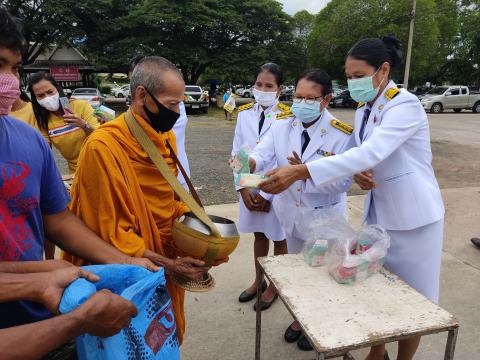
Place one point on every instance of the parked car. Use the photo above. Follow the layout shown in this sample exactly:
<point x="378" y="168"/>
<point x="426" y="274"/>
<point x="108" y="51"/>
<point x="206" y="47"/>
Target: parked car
<point x="93" y="96"/>
<point x="246" y="93"/>
<point x="287" y="93"/>
<point x="121" y="92"/>
<point x="196" y="98"/>
<point x="67" y="92"/>
<point x="343" y="100"/>
<point x="420" y="90"/>
<point x="455" y="97"/>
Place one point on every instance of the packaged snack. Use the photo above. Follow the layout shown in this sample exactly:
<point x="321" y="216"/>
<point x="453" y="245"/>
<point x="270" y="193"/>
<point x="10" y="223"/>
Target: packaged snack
<point x="250" y="180"/>
<point x="104" y="113"/>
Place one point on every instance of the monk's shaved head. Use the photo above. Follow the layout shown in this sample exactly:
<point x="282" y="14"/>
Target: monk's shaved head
<point x="151" y="72"/>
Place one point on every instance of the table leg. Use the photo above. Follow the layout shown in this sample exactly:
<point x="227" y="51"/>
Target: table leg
<point x="451" y="342"/>
<point x="320" y="356"/>
<point x="258" y="331"/>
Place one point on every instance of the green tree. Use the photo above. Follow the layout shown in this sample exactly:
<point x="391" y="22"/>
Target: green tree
<point x="463" y="67"/>
<point x="298" y="61"/>
<point x="45" y="22"/>
<point x="193" y="34"/>
<point x="344" y="22"/>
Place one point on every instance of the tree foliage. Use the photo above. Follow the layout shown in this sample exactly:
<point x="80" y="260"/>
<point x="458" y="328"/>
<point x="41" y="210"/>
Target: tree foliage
<point x="191" y="33"/>
<point x="344" y="22"/>
<point x="44" y="22"/>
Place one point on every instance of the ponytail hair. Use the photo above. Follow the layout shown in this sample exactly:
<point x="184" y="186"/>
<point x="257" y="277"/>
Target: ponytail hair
<point x="376" y="51"/>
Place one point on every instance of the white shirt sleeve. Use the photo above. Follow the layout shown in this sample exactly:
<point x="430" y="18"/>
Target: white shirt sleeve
<point x="398" y="124"/>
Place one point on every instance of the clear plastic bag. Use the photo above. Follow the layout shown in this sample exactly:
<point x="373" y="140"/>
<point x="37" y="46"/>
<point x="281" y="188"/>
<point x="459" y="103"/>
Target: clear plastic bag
<point x="357" y="257"/>
<point x="239" y="162"/>
<point x="320" y="229"/>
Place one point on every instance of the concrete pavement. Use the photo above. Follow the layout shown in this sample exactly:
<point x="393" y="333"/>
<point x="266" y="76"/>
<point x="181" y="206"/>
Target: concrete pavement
<point x="219" y="327"/>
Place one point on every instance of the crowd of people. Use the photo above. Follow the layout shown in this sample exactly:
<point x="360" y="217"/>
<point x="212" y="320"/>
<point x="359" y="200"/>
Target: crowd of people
<point x="121" y="210"/>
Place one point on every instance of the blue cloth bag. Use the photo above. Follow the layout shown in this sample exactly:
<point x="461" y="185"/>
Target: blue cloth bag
<point x="152" y="333"/>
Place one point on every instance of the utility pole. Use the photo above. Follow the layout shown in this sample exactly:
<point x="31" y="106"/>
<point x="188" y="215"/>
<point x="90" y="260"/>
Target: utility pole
<point x="410" y="41"/>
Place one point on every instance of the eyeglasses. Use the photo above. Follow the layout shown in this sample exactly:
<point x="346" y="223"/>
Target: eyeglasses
<point x="308" y="100"/>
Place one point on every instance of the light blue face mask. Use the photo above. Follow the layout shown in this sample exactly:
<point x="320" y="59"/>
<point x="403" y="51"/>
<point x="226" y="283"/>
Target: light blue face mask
<point x="306" y="113"/>
<point x="362" y="90"/>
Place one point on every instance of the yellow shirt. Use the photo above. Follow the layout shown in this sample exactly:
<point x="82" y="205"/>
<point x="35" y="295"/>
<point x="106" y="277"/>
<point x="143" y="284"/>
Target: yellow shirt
<point x="69" y="138"/>
<point x="26" y="115"/>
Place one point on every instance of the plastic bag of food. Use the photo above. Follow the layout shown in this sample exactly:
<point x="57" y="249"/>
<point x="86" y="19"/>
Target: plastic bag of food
<point x="239" y="162"/>
<point x="355" y="258"/>
<point x="320" y="229"/>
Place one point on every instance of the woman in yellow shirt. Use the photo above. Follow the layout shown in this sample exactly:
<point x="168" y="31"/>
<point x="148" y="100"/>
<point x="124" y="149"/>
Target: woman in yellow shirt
<point x="64" y="128"/>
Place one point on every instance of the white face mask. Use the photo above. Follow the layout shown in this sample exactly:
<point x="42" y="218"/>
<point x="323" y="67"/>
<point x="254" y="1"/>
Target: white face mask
<point x="265" y="98"/>
<point x="51" y="103"/>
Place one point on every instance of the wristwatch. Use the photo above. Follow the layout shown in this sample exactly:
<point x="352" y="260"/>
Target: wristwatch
<point x="87" y="126"/>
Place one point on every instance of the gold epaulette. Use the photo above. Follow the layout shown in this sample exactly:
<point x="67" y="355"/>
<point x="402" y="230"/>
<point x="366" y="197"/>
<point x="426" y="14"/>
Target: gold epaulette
<point x="360" y="104"/>
<point x="284" y="115"/>
<point x="246" y="106"/>
<point x="391" y="93"/>
<point x="283" y="107"/>
<point x="337" y="124"/>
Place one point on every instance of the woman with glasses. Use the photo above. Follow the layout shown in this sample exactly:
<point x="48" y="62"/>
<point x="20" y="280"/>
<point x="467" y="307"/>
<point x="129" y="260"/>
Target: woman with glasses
<point x="309" y="133"/>
<point x="254" y="122"/>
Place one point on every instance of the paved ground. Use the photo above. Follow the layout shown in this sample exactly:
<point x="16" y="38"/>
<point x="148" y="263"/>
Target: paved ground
<point x="218" y="327"/>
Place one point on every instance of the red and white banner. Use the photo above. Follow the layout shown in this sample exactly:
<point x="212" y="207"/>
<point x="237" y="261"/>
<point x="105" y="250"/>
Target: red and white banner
<point x="65" y="73"/>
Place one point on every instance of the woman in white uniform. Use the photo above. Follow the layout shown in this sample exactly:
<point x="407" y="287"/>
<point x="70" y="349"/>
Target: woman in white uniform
<point x="256" y="215"/>
<point x="393" y="159"/>
<point x="309" y="133"/>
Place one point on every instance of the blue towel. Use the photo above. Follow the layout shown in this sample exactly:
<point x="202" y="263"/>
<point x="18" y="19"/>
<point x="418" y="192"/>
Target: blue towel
<point x="152" y="333"/>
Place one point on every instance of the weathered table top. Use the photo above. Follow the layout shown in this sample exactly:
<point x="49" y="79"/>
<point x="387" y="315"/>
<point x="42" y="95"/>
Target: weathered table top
<point x="339" y="318"/>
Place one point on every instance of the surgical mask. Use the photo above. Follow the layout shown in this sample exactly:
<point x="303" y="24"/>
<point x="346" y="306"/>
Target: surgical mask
<point x="165" y="119"/>
<point x="307" y="113"/>
<point x="362" y="90"/>
<point x="51" y="103"/>
<point x="9" y="92"/>
<point x="265" y="98"/>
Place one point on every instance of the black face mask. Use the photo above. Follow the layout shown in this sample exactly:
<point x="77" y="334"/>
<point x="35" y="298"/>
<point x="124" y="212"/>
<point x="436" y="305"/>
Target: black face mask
<point x="164" y="120"/>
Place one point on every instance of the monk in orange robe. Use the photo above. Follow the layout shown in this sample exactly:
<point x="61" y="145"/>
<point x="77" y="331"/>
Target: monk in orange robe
<point x="120" y="194"/>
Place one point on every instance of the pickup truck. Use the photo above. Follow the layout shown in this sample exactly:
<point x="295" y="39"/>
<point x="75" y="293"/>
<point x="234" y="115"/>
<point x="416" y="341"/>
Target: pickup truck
<point x="450" y="97"/>
<point x="196" y="98"/>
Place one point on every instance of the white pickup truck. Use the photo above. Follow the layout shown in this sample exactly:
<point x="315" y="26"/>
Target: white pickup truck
<point x="450" y="97"/>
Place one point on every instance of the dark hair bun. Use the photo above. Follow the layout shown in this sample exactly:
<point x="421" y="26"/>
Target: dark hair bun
<point x="394" y="48"/>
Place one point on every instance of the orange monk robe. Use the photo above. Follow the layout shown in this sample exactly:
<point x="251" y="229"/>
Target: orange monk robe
<point x="119" y="193"/>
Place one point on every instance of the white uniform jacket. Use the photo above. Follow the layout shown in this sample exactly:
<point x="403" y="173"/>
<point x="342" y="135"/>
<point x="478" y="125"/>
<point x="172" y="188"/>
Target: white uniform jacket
<point x="247" y="135"/>
<point x="396" y="145"/>
<point x="326" y="140"/>
<point x="179" y="130"/>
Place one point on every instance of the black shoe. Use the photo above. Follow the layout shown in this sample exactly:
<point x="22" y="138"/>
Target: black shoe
<point x="304" y="344"/>
<point x="265" y="305"/>
<point x="291" y="335"/>
<point x="476" y="242"/>
<point x="246" y="297"/>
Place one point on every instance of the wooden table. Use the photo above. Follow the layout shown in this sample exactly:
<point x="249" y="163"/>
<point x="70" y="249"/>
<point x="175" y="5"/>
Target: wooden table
<point x="339" y="318"/>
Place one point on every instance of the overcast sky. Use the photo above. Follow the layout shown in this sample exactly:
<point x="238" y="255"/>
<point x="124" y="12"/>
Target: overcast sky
<point x="312" y="6"/>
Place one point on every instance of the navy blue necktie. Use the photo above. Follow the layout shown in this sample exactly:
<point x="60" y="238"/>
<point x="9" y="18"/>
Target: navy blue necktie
<point x="262" y="120"/>
<point x="366" y="115"/>
<point x="306" y="140"/>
